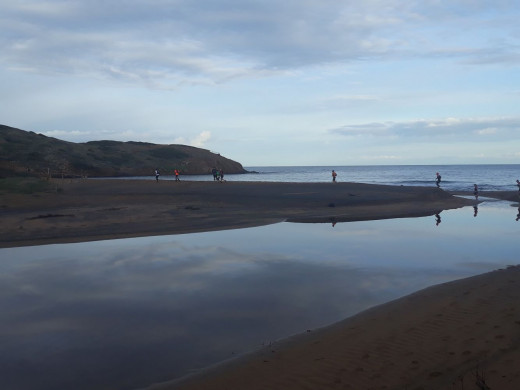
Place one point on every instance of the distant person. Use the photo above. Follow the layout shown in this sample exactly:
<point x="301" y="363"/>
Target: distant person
<point x="157" y="174"/>
<point x="475" y="191"/>
<point x="334" y="174"/>
<point x="214" y="172"/>
<point x="177" y="175"/>
<point x="221" y="175"/>
<point x="518" y="184"/>
<point x="438" y="179"/>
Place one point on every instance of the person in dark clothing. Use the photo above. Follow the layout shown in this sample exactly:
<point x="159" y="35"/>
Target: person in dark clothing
<point x="438" y="179"/>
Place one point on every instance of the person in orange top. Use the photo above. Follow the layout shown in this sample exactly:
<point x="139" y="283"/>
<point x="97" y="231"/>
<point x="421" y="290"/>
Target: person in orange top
<point x="177" y="175"/>
<point x="334" y="174"/>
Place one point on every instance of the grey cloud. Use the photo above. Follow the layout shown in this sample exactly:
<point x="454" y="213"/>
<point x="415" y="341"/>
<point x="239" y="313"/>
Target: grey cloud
<point x="484" y="129"/>
<point x="166" y="43"/>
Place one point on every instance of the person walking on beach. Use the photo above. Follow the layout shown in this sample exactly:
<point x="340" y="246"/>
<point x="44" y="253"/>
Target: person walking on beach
<point x="475" y="191"/>
<point x="438" y="179"/>
<point x="157" y="175"/>
<point x="221" y="172"/>
<point x="214" y="172"/>
<point x="177" y="175"/>
<point x="518" y="184"/>
<point x="334" y="174"/>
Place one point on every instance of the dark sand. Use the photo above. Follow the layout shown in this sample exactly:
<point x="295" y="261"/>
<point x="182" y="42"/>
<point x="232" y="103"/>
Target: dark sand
<point x="86" y="210"/>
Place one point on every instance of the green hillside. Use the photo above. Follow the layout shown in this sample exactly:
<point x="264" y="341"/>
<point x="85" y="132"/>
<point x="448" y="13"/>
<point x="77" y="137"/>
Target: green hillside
<point x="25" y="153"/>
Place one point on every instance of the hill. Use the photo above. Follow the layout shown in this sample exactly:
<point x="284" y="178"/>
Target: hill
<point x="25" y="153"/>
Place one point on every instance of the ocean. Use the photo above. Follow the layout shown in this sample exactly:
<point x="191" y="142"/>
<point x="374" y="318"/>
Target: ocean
<point x="454" y="177"/>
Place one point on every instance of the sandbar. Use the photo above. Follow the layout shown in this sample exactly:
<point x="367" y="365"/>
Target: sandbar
<point x="82" y="210"/>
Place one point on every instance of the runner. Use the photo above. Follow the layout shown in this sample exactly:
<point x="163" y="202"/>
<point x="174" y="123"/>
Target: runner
<point x="438" y="180"/>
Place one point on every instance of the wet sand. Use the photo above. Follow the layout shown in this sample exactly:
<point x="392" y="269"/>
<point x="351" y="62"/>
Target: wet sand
<point x="93" y="209"/>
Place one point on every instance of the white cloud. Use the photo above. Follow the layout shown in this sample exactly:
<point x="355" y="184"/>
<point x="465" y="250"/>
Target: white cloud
<point x="198" y="141"/>
<point x="201" y="139"/>
<point x="507" y="128"/>
<point x="63" y="133"/>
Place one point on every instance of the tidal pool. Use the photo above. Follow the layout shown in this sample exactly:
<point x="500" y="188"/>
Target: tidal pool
<point x="123" y="314"/>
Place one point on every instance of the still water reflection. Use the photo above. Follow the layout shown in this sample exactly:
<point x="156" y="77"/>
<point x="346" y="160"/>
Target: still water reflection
<point x="123" y="314"/>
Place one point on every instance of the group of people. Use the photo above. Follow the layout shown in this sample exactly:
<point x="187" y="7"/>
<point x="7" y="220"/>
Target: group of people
<point x="218" y="174"/>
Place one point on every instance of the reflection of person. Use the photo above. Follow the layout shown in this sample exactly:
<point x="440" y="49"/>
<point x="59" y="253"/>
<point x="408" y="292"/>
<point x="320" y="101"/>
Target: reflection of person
<point x="437" y="219"/>
<point x="475" y="211"/>
<point x="438" y="180"/>
<point x="475" y="191"/>
<point x="518" y="215"/>
<point x="157" y="175"/>
<point x="334" y="174"/>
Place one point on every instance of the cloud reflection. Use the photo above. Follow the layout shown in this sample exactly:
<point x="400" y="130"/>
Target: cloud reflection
<point x="138" y="311"/>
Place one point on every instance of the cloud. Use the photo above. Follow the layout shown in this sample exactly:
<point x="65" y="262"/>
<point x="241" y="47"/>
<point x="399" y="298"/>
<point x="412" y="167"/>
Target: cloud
<point x="201" y="139"/>
<point x="198" y="141"/>
<point x="506" y="128"/>
<point x="166" y="44"/>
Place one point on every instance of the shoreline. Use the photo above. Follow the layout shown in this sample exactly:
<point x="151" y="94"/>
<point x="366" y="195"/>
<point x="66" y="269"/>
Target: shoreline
<point x="81" y="210"/>
<point x="445" y="336"/>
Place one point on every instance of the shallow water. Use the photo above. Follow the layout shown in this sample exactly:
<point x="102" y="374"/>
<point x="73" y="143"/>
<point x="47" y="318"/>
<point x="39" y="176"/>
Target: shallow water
<point x="123" y="314"/>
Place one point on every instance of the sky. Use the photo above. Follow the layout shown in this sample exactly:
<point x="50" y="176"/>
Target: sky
<point x="270" y="82"/>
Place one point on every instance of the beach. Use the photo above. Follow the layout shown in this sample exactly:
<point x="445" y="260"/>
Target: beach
<point x="458" y="335"/>
<point x="91" y="209"/>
